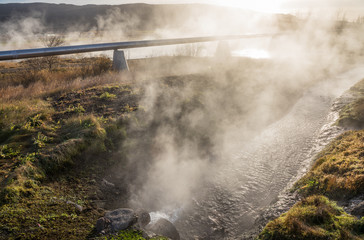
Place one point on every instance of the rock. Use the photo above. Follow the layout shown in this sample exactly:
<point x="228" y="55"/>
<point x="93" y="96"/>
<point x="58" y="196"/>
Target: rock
<point x="358" y="210"/>
<point x="143" y="217"/>
<point x="102" y="224"/>
<point x="121" y="219"/>
<point x="165" y="228"/>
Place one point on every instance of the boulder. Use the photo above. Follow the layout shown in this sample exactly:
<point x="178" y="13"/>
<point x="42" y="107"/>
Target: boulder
<point x="358" y="210"/>
<point x="165" y="228"/>
<point x="143" y="218"/>
<point x="121" y="219"/>
<point x="102" y="224"/>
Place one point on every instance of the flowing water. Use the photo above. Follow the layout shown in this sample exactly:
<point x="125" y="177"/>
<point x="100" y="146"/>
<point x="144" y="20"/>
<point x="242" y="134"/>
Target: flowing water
<point x="258" y="173"/>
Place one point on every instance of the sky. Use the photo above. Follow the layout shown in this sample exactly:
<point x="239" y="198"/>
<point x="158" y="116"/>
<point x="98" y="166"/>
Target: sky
<point x="257" y="5"/>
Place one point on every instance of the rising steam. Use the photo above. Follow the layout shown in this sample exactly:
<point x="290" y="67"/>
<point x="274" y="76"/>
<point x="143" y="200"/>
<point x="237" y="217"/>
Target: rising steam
<point x="188" y="126"/>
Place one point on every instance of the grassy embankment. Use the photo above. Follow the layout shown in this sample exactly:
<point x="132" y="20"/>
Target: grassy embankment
<point x="59" y="131"/>
<point x="337" y="175"/>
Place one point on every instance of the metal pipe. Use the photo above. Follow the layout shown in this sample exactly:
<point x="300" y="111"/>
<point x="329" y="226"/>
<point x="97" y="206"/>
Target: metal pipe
<point x="52" y="51"/>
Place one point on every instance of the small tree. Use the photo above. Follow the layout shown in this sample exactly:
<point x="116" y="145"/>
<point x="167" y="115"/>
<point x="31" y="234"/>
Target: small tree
<point x="52" y="41"/>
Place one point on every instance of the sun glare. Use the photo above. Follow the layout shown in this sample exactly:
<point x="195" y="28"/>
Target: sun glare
<point x="257" y="5"/>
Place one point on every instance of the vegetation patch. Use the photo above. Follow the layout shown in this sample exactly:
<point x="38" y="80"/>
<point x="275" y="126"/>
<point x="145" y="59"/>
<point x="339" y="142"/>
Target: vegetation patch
<point x="46" y="164"/>
<point x="45" y="213"/>
<point x="352" y="115"/>
<point x="339" y="170"/>
<point x="101" y="101"/>
<point x="51" y="69"/>
<point x="316" y="218"/>
<point x="46" y="168"/>
<point x="130" y="235"/>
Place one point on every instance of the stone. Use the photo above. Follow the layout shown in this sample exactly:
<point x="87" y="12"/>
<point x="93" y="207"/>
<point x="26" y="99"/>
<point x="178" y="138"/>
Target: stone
<point x="143" y="217"/>
<point x="121" y="218"/>
<point x="358" y="210"/>
<point x="102" y="224"/>
<point x="165" y="228"/>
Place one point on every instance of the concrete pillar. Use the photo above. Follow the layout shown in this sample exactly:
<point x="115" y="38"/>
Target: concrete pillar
<point x="223" y="50"/>
<point x="119" y="61"/>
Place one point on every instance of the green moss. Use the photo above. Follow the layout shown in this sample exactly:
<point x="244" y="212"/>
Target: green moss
<point x="45" y="215"/>
<point x="7" y="152"/>
<point x="107" y="95"/>
<point x="314" y="218"/>
<point x="75" y="109"/>
<point x="130" y="235"/>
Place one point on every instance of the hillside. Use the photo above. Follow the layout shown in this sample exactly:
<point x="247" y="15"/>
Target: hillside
<point x="60" y="17"/>
<point x="134" y="20"/>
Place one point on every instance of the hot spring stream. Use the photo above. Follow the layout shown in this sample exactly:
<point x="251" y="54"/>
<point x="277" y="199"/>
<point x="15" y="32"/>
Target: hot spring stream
<point x="258" y="172"/>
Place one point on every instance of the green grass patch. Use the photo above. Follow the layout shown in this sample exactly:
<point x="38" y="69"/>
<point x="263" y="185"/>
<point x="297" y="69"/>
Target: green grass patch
<point x="130" y="235"/>
<point x="107" y="95"/>
<point x="314" y="218"/>
<point x="45" y="162"/>
<point x="45" y="214"/>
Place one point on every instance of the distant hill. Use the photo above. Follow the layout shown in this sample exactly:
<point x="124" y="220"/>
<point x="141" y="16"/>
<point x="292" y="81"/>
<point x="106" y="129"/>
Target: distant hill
<point x="62" y="17"/>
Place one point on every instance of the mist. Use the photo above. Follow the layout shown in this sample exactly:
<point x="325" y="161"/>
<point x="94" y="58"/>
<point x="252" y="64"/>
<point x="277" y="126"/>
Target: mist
<point x="196" y="114"/>
<point x="193" y="126"/>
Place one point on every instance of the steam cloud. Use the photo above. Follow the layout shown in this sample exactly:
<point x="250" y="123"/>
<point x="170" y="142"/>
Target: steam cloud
<point x="190" y="125"/>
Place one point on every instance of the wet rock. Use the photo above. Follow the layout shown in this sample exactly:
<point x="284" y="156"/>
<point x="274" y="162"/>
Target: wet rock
<point x="165" y="228"/>
<point x="143" y="218"/>
<point x="358" y="210"/>
<point x="121" y="219"/>
<point x="102" y="224"/>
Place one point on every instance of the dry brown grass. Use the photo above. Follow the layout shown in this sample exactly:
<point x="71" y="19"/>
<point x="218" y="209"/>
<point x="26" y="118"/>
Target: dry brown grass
<point x="39" y="89"/>
<point x="5" y="65"/>
<point x="339" y="170"/>
<point x="31" y="80"/>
